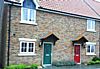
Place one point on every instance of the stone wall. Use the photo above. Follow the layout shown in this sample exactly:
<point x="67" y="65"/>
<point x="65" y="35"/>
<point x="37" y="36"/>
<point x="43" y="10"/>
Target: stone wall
<point x="65" y="28"/>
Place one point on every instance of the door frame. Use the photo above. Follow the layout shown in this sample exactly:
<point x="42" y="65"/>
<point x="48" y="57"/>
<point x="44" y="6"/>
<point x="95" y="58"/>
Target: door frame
<point x="44" y="65"/>
<point x="80" y="51"/>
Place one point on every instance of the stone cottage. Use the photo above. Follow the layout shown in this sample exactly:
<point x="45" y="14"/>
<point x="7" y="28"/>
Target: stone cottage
<point x="50" y="30"/>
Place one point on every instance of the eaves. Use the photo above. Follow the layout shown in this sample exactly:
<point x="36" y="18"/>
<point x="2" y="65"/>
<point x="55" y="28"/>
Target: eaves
<point x="53" y="11"/>
<point x="66" y="13"/>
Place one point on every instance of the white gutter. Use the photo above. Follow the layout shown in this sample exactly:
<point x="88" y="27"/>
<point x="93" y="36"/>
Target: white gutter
<point x="67" y="14"/>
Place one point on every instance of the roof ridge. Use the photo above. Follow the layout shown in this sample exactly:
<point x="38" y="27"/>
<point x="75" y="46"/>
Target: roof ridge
<point x="91" y="7"/>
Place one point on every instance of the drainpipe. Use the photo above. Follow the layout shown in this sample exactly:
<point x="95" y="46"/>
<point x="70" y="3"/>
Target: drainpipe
<point x="99" y="39"/>
<point x="10" y="4"/>
<point x="9" y="30"/>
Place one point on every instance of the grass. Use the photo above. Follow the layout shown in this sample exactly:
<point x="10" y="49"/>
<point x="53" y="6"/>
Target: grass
<point x="22" y="66"/>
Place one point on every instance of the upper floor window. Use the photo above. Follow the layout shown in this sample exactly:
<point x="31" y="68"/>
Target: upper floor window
<point x="28" y="12"/>
<point x="91" y="25"/>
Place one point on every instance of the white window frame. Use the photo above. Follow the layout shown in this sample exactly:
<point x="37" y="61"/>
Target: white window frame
<point x="27" y="21"/>
<point x="26" y="40"/>
<point x="90" y="43"/>
<point x="91" y="25"/>
<point x="13" y="0"/>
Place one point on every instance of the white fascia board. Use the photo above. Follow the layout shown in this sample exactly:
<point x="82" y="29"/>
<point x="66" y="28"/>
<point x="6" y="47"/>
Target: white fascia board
<point x="90" y="43"/>
<point x="36" y="3"/>
<point x="26" y="39"/>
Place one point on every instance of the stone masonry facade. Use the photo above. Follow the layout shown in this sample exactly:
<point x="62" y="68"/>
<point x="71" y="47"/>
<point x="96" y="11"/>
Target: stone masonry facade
<point x="64" y="27"/>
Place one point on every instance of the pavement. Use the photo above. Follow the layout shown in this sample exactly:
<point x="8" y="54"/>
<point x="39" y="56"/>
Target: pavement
<point x="75" y="67"/>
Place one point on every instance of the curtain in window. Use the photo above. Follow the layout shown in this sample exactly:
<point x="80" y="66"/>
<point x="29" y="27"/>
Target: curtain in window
<point x="92" y="48"/>
<point x="25" y="14"/>
<point x="93" y="24"/>
<point x="88" y="48"/>
<point x="31" y="17"/>
<point x="29" y="4"/>
<point x="88" y="24"/>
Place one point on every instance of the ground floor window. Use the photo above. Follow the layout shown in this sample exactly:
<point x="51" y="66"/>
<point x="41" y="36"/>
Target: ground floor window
<point x="90" y="48"/>
<point x="27" y="46"/>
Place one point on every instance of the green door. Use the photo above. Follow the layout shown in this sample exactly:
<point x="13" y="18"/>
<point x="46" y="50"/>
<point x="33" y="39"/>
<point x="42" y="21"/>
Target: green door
<point x="47" y="53"/>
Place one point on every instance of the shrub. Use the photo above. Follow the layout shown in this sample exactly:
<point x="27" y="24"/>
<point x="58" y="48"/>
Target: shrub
<point x="28" y="67"/>
<point x="91" y="63"/>
<point x="95" y="58"/>
<point x="97" y="62"/>
<point x="63" y="63"/>
<point x="34" y="66"/>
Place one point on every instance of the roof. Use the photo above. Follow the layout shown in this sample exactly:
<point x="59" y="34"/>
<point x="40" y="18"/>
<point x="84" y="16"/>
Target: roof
<point x="49" y="35"/>
<point x="87" y="8"/>
<point x="95" y="5"/>
<point x="78" y="7"/>
<point x="80" y="38"/>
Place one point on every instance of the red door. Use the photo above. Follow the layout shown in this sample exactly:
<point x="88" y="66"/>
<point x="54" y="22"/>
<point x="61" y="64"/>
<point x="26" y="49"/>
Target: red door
<point x="77" y="53"/>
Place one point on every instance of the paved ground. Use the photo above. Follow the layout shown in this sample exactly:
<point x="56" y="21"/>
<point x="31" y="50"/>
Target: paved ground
<point x="75" y="67"/>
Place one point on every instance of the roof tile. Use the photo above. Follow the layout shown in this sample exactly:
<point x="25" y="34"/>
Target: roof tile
<point x="72" y="6"/>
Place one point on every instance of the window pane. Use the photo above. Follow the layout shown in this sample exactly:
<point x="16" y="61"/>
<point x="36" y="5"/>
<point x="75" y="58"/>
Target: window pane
<point x="31" y="15"/>
<point x="92" y="48"/>
<point x="25" y="14"/>
<point x="88" y="24"/>
<point x="24" y="47"/>
<point x="30" y="47"/>
<point x="88" y="48"/>
<point x="93" y="25"/>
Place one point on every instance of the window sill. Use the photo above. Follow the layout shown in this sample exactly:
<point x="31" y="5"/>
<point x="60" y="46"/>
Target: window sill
<point x="26" y="54"/>
<point x="91" y="31"/>
<point x="28" y="22"/>
<point x="89" y="54"/>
